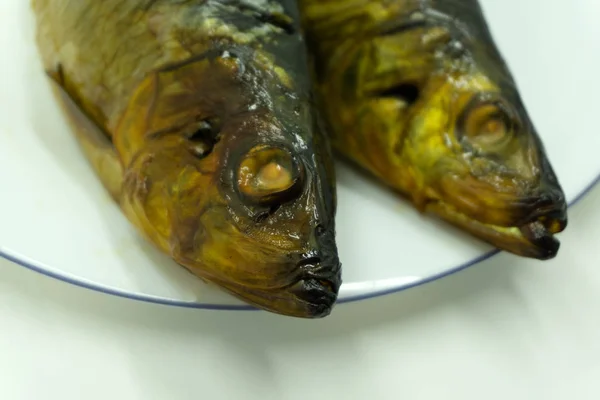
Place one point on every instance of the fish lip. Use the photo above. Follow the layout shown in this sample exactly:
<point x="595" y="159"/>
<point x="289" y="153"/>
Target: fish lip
<point x="312" y="268"/>
<point x="545" y="245"/>
<point x="552" y="215"/>
<point x="545" y="221"/>
<point x="318" y="284"/>
<point x="319" y="294"/>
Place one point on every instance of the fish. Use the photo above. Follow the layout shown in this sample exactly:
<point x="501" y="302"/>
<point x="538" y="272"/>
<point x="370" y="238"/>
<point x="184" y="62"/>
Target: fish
<point x="197" y="117"/>
<point x="416" y="94"/>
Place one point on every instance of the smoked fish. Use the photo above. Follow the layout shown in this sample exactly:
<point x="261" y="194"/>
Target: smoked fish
<point x="416" y="93"/>
<point x="197" y="117"/>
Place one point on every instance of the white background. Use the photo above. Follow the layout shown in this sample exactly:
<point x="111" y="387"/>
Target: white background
<point x="504" y="329"/>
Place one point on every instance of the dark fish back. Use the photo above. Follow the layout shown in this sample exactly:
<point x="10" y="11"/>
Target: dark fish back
<point x="466" y="20"/>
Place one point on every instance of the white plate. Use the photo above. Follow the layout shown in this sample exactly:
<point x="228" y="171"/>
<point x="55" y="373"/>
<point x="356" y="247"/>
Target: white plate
<point x="56" y="218"/>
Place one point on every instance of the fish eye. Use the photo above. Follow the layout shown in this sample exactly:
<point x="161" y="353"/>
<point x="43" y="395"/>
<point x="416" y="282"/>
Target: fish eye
<point x="269" y="175"/>
<point x="487" y="124"/>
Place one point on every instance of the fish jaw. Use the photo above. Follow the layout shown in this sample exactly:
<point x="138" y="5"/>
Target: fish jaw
<point x="312" y="295"/>
<point x="520" y="222"/>
<point x="531" y="240"/>
<point x="518" y="212"/>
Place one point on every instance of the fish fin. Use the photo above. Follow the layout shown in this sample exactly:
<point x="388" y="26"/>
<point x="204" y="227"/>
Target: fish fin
<point x="96" y="144"/>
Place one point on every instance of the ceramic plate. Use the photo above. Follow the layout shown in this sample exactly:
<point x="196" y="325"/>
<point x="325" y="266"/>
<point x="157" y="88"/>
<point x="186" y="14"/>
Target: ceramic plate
<point x="56" y="218"/>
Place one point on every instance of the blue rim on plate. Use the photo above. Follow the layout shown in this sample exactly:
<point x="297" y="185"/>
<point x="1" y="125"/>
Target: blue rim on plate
<point x="232" y="307"/>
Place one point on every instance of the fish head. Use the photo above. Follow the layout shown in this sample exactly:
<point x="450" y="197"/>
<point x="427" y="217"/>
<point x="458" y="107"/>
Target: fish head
<point x="278" y="228"/>
<point x="236" y="193"/>
<point x="443" y="123"/>
<point x="477" y="161"/>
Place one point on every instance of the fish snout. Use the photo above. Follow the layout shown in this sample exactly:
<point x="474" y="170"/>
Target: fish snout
<point x="547" y="218"/>
<point x="327" y="271"/>
<point x="550" y="210"/>
<point x="317" y="294"/>
<point x="319" y="282"/>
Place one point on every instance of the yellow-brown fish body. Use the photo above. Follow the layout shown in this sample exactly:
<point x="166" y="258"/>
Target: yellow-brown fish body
<point x="196" y="116"/>
<point x="416" y="93"/>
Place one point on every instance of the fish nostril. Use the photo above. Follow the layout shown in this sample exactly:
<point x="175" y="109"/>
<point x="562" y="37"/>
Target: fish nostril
<point x="550" y="196"/>
<point x="320" y="230"/>
<point x="545" y="200"/>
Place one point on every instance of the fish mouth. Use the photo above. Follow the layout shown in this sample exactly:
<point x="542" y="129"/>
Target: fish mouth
<point x="521" y="221"/>
<point x="312" y="294"/>
<point x="532" y="239"/>
<point x="319" y="295"/>
<point x="318" y="285"/>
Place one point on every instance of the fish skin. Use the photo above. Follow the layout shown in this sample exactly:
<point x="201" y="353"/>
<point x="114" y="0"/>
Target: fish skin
<point x="416" y="93"/>
<point x="169" y="98"/>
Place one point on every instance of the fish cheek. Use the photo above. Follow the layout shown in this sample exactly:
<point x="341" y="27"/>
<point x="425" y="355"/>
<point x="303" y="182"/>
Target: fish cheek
<point x="185" y="215"/>
<point x="143" y="203"/>
<point x="243" y="243"/>
<point x="427" y="150"/>
<point x="166" y="189"/>
<point x="524" y="158"/>
<point x="379" y="127"/>
<point x="242" y="256"/>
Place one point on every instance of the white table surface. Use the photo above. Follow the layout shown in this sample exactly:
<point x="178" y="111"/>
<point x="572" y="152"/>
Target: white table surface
<point x="508" y="328"/>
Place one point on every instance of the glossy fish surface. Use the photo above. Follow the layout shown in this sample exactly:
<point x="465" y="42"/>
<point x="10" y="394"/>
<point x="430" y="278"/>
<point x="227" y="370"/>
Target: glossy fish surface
<point x="196" y="117"/>
<point x="416" y="93"/>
